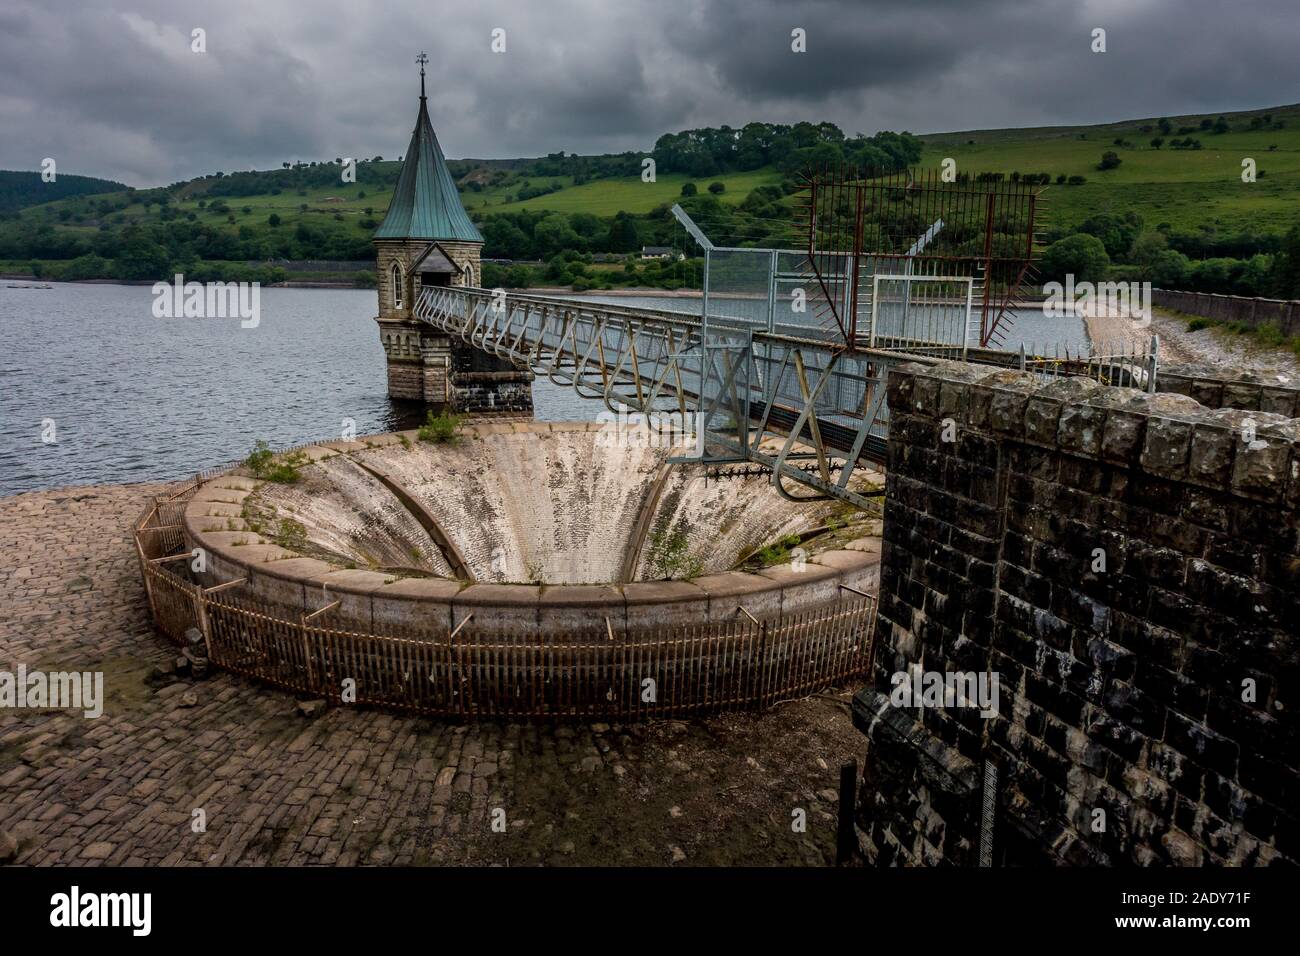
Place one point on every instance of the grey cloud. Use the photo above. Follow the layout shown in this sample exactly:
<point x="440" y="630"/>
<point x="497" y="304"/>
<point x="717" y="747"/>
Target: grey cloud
<point x="109" y="88"/>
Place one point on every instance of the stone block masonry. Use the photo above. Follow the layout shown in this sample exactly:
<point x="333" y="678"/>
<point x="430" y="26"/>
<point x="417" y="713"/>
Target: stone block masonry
<point x="1217" y="387"/>
<point x="1283" y="313"/>
<point x="1128" y="565"/>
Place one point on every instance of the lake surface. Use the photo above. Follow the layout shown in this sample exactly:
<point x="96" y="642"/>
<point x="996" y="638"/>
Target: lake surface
<point x="135" y="398"/>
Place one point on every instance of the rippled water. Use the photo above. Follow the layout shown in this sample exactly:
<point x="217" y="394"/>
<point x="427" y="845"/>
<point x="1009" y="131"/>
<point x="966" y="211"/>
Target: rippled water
<point x="136" y="398"/>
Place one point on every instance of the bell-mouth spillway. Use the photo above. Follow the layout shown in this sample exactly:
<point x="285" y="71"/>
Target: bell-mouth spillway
<point x="546" y="554"/>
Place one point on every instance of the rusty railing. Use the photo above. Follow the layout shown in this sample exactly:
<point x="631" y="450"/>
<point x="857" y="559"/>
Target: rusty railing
<point x="633" y="674"/>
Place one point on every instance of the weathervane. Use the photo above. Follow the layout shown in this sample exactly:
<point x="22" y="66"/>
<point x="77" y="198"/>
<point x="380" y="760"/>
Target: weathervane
<point x="422" y="59"/>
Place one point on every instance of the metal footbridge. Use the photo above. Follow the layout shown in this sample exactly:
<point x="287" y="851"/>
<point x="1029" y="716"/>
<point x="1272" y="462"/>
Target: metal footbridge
<point x="783" y="361"/>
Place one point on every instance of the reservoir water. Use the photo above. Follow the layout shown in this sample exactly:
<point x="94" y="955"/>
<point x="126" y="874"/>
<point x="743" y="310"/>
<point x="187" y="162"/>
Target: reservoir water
<point x="126" y="396"/>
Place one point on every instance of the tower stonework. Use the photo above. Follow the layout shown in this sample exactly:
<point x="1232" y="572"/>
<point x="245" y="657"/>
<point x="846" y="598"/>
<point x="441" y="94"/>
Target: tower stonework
<point x="427" y="239"/>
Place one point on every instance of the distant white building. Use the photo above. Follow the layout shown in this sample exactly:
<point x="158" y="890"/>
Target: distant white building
<point x="660" y="252"/>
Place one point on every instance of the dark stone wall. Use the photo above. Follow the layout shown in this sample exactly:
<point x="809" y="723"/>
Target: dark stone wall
<point x="1128" y="565"/>
<point x="481" y="382"/>
<point x="427" y="366"/>
<point x="1217" y="387"/>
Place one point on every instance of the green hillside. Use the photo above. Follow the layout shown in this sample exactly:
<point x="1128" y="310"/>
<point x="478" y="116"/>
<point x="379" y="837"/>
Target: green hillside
<point x="608" y="197"/>
<point x="1188" y="206"/>
<point x="1187" y="188"/>
<point x="21" y="189"/>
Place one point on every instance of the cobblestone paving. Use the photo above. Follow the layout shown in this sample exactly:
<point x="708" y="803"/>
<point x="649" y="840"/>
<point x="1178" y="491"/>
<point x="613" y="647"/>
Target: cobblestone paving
<point x="353" y="786"/>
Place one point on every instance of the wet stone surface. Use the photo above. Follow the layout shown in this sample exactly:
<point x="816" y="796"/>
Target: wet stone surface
<point x="340" y="786"/>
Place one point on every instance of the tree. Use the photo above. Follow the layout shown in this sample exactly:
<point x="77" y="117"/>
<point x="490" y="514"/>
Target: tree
<point x="688" y="189"/>
<point x="1157" y="143"/>
<point x="1109" y="160"/>
<point x="1169" y="270"/>
<point x="1165" y="127"/>
<point x="623" y="235"/>
<point x="273" y="219"/>
<point x="1147" y="247"/>
<point x="717" y="187"/>
<point x="1081" y="256"/>
<point x="1284" y="275"/>
<point x="1117" y="233"/>
<point x="503" y="239"/>
<point x="141" y="257"/>
<point x="555" y="234"/>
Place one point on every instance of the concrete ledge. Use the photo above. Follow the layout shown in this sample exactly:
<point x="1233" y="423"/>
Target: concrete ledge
<point x="1169" y="434"/>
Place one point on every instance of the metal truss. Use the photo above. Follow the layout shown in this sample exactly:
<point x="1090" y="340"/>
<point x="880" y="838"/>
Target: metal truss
<point x="780" y="401"/>
<point x="808" y="410"/>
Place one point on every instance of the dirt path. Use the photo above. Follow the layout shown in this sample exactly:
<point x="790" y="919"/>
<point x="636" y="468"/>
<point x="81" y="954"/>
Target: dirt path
<point x="353" y="786"/>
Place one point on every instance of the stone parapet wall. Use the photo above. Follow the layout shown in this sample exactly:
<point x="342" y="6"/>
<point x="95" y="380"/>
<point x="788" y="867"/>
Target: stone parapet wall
<point x="1216" y="387"/>
<point x="1128" y="565"/>
<point x="1284" y="313"/>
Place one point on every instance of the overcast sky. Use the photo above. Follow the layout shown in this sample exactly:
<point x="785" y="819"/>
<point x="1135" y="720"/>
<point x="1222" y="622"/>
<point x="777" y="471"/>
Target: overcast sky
<point x="111" y="88"/>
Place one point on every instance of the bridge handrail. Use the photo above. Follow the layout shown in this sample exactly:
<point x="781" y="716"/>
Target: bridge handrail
<point x="682" y="318"/>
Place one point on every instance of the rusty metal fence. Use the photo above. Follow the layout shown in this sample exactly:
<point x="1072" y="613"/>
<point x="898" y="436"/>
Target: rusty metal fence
<point x="631" y="674"/>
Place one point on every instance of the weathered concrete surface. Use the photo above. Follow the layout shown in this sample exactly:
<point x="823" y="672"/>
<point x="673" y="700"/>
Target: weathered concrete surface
<point x="352" y="786"/>
<point x="350" y="518"/>
<point x="554" y="503"/>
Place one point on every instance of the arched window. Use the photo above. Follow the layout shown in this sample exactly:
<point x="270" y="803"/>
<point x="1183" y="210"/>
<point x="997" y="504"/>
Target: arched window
<point x="396" y="276"/>
<point x="469" y="275"/>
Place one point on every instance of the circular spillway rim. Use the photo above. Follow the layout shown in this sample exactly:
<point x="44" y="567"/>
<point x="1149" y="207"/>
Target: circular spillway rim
<point x="375" y="599"/>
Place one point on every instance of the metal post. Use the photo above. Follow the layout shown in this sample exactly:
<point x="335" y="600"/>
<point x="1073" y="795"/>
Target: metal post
<point x="965" y="335"/>
<point x="704" y="328"/>
<point x="1155" y="363"/>
<point x="846" y="837"/>
<point x="771" y="295"/>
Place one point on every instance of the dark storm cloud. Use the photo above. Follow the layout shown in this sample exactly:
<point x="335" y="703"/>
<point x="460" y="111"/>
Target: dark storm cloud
<point x="111" y="88"/>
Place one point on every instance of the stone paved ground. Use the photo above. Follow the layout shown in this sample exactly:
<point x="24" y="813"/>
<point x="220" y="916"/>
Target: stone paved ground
<point x="353" y="786"/>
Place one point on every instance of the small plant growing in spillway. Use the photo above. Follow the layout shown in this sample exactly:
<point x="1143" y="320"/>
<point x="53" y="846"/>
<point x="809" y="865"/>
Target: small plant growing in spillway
<point x="284" y="470"/>
<point x="439" y="429"/>
<point x="777" y="551"/>
<point x="291" y="534"/>
<point x="670" y="557"/>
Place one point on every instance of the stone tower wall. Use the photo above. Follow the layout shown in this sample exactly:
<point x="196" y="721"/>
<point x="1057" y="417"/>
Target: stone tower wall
<point x="1128" y="565"/>
<point x="426" y="366"/>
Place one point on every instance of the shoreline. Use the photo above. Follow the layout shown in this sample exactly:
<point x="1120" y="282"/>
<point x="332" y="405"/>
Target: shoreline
<point x="1209" y="345"/>
<point x="42" y="283"/>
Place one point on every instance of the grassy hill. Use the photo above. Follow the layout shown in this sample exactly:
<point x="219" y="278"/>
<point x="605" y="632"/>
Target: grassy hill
<point x="1186" y="188"/>
<point x="607" y="197"/>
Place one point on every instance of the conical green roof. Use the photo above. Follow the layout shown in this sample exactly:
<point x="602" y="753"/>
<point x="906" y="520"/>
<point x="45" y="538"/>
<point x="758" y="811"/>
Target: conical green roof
<point x="425" y="204"/>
